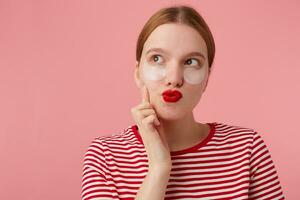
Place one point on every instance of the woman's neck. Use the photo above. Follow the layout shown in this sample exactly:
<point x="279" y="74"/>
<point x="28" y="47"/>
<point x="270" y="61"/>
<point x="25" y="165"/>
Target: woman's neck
<point x="183" y="133"/>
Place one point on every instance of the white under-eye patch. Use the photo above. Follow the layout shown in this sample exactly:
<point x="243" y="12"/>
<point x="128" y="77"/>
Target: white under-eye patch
<point x="153" y="72"/>
<point x="193" y="75"/>
<point x="158" y="72"/>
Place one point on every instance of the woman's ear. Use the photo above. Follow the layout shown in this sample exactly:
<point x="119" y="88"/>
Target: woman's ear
<point x="205" y="86"/>
<point x="137" y="78"/>
<point x="206" y="82"/>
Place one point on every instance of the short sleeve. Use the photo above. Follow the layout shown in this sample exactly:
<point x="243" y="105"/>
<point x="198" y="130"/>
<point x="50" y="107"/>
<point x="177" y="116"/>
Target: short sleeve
<point x="94" y="182"/>
<point x="264" y="181"/>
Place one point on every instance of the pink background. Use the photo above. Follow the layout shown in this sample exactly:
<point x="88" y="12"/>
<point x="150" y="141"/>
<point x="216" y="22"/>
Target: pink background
<point x="66" y="76"/>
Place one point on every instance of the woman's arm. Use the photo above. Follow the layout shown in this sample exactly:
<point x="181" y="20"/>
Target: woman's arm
<point x="94" y="183"/>
<point x="158" y="152"/>
<point x="154" y="185"/>
<point x="264" y="181"/>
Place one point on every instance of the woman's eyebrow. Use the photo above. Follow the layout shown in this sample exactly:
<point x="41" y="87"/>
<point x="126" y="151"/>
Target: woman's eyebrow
<point x="160" y="50"/>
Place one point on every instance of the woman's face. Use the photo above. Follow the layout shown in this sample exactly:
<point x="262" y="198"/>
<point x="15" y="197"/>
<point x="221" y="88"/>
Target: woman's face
<point x="166" y="63"/>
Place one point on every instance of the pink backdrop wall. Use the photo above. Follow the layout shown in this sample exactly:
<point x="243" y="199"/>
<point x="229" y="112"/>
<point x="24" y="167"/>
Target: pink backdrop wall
<point x="66" y="76"/>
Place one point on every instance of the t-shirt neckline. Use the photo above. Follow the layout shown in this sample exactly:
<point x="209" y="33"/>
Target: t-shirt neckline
<point x="186" y="150"/>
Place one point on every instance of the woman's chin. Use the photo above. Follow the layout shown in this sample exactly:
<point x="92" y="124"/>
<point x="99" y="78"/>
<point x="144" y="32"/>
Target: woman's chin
<point x="170" y="114"/>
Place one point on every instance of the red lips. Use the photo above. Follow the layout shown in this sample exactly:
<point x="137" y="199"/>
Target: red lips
<point x="171" y="95"/>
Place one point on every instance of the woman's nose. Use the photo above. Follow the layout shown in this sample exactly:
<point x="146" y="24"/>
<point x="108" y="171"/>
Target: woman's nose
<point x="174" y="76"/>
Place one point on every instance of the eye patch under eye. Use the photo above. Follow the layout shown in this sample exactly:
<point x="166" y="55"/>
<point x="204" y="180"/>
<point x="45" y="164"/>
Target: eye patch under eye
<point x="153" y="73"/>
<point x="194" y="76"/>
<point x="156" y="73"/>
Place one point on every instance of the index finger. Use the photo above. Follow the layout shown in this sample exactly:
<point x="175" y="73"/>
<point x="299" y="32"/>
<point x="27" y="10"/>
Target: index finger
<point x="145" y="94"/>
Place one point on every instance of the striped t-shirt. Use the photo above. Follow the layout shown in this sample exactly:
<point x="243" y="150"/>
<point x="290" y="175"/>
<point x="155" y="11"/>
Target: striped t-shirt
<point x="232" y="162"/>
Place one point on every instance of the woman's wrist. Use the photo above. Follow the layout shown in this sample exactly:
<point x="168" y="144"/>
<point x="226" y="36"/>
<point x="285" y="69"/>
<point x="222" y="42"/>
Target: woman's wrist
<point x="160" y="171"/>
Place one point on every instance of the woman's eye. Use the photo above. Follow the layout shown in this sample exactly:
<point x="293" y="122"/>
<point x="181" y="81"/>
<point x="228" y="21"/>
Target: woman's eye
<point x="155" y="58"/>
<point x="191" y="59"/>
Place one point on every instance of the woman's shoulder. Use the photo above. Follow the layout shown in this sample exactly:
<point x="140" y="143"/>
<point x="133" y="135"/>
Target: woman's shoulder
<point x="122" y="143"/>
<point x="122" y="136"/>
<point x="236" y="135"/>
<point x="234" y="130"/>
<point x="228" y="125"/>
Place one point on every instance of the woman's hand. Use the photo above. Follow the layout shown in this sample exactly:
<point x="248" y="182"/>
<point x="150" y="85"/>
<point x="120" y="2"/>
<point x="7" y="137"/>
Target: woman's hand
<point x="152" y="134"/>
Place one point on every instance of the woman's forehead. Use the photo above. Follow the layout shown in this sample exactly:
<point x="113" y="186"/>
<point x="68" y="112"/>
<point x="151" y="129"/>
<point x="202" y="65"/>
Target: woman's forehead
<point x="176" y="38"/>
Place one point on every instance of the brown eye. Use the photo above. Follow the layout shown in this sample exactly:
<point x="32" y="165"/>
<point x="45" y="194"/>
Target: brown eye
<point x="155" y="58"/>
<point x="189" y="61"/>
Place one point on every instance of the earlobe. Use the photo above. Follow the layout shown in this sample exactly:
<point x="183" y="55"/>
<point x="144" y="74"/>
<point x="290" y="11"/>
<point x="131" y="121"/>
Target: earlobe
<point x="137" y="77"/>
<point x="206" y="83"/>
<point x="204" y="88"/>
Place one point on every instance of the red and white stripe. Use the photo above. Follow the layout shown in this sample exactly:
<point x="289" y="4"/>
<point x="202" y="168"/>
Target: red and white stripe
<point x="231" y="163"/>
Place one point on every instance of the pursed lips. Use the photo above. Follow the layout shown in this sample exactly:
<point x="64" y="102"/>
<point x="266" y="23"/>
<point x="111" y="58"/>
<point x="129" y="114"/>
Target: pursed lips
<point x="172" y="95"/>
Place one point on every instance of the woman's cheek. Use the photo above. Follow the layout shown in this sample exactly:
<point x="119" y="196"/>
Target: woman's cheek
<point x="194" y="76"/>
<point x="153" y="73"/>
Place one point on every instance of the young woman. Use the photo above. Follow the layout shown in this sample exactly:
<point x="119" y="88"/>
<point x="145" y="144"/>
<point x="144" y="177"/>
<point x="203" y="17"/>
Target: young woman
<point x="167" y="154"/>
